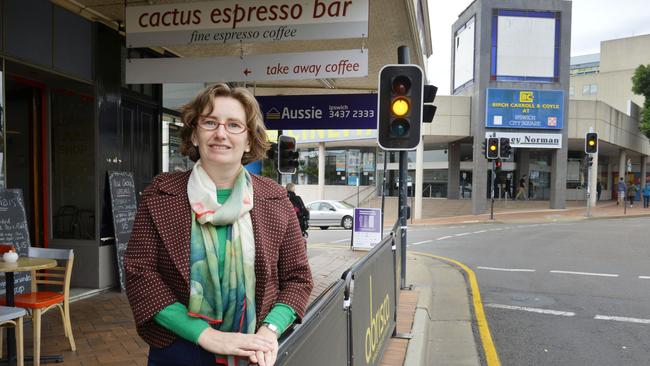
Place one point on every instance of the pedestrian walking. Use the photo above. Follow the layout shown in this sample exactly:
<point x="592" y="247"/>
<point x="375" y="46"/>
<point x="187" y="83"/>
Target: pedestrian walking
<point x="621" y="191"/>
<point x="631" y="193"/>
<point x="521" y="190"/>
<point x="599" y="189"/>
<point x="299" y="207"/>
<point x="646" y="195"/>
<point x="216" y="267"/>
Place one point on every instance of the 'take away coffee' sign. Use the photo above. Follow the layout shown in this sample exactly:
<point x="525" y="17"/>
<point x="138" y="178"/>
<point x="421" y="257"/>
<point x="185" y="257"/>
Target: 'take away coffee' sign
<point x="124" y="207"/>
<point x="14" y="231"/>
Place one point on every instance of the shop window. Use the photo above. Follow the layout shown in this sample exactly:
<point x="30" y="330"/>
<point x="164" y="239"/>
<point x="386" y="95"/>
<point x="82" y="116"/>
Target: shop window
<point x="172" y="159"/>
<point x="73" y="166"/>
<point x="572" y="91"/>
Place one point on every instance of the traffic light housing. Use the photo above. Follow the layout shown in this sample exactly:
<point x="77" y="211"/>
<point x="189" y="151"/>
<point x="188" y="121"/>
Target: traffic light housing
<point x="428" y="109"/>
<point x="498" y="164"/>
<point x="287" y="155"/>
<point x="505" y="150"/>
<point x="399" y="102"/>
<point x="590" y="161"/>
<point x="492" y="150"/>
<point x="591" y="143"/>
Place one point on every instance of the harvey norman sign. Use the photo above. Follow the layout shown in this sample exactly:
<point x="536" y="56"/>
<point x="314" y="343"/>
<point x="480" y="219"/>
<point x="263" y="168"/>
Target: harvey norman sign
<point x="248" y="21"/>
<point x="530" y="140"/>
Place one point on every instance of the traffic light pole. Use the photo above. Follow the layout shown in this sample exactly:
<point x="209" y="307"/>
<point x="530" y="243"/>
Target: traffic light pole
<point x="589" y="175"/>
<point x="492" y="191"/>
<point x="279" y="174"/>
<point x="403" y="58"/>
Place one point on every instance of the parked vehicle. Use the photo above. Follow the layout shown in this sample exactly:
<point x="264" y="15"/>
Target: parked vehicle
<point x="326" y="213"/>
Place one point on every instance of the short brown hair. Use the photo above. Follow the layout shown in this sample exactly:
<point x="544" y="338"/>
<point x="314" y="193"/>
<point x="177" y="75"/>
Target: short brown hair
<point x="205" y="99"/>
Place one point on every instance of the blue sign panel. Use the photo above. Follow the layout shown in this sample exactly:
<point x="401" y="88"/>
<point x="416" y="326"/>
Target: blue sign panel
<point x="520" y="108"/>
<point x="326" y="111"/>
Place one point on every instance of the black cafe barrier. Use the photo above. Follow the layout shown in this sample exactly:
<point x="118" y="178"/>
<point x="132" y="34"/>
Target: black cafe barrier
<point x="351" y="323"/>
<point x="15" y="232"/>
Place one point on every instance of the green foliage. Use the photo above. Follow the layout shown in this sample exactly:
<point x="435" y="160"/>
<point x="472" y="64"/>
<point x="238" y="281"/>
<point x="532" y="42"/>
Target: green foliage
<point x="641" y="86"/>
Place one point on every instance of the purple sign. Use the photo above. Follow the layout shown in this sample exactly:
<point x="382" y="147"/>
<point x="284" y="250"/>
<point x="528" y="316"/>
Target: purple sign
<point x="324" y="111"/>
<point x="367" y="227"/>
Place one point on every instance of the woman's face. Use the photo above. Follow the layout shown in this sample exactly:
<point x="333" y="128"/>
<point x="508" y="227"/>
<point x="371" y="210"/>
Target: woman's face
<point x="219" y="147"/>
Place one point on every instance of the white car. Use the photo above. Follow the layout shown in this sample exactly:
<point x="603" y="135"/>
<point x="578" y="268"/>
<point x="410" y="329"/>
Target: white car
<point x="326" y="213"/>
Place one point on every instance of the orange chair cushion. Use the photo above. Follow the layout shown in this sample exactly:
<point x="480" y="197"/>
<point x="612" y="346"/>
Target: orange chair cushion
<point x="38" y="300"/>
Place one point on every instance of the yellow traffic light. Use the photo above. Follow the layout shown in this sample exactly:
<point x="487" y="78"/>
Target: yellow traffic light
<point x="592" y="142"/>
<point x="493" y="147"/>
<point x="400" y="107"/>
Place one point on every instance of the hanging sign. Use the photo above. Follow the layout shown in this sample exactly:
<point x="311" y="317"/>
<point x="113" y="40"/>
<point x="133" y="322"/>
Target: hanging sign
<point x="234" y="21"/>
<point x="277" y="66"/>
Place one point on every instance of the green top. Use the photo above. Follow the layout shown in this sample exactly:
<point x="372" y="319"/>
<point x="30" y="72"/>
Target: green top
<point x="175" y="318"/>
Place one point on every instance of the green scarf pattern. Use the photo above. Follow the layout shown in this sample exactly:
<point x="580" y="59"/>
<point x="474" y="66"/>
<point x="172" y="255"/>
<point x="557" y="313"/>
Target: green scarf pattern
<point x="226" y="303"/>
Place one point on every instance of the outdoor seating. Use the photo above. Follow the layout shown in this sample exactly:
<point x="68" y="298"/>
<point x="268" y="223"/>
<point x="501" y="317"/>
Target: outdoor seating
<point x="39" y="302"/>
<point x="11" y="316"/>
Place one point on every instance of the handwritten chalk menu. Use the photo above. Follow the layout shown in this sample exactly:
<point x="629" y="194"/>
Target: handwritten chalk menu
<point x="124" y="206"/>
<point x="14" y="231"/>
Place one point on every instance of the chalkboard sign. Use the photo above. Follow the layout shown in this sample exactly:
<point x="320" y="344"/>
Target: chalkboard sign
<point x="124" y="206"/>
<point x="14" y="231"/>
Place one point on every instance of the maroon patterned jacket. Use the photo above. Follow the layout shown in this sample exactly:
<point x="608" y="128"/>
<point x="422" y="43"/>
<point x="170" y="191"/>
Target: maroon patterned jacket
<point x="157" y="259"/>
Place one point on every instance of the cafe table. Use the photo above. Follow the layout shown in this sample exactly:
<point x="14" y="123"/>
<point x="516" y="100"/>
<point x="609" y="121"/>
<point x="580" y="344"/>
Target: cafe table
<point x="23" y="264"/>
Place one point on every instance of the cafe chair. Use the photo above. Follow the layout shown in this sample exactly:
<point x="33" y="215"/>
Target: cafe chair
<point x="10" y="316"/>
<point x="38" y="302"/>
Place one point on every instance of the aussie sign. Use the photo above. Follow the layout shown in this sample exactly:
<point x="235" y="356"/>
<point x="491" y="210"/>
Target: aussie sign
<point x="327" y="111"/>
<point x="519" y="108"/>
<point x="234" y="21"/>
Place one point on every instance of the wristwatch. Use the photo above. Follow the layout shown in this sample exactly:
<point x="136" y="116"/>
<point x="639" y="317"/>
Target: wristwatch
<point x="273" y="328"/>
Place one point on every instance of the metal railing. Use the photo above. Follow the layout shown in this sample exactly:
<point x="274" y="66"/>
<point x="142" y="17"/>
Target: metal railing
<point x="351" y="322"/>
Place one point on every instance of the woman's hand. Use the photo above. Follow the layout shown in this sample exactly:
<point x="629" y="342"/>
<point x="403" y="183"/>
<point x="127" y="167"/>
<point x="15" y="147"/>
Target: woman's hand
<point x="237" y="344"/>
<point x="267" y="358"/>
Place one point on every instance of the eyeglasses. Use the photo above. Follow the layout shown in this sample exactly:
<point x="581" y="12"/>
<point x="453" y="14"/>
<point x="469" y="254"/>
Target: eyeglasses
<point x="233" y="127"/>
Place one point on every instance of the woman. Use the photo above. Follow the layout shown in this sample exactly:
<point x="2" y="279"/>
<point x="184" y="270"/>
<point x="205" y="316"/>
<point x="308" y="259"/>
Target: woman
<point x="216" y="267"/>
<point x="631" y="193"/>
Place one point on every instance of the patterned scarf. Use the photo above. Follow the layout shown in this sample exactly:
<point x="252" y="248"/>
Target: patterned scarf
<point x="227" y="303"/>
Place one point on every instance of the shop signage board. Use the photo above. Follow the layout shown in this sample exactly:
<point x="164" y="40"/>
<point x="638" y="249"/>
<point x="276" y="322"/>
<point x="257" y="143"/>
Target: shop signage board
<point x="530" y="140"/>
<point x="366" y="231"/>
<point x="326" y="111"/>
<point x="124" y="208"/>
<point x="335" y="64"/>
<point x="14" y="231"/>
<point x="524" y="108"/>
<point x="248" y="21"/>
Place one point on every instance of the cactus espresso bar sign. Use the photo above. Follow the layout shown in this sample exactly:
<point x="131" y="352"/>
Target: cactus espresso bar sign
<point x="234" y="21"/>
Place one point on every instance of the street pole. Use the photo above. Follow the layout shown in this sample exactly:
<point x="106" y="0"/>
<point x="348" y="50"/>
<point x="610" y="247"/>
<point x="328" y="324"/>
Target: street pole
<point x="383" y="191"/>
<point x="589" y="175"/>
<point x="403" y="58"/>
<point x="277" y="158"/>
<point x="492" y="191"/>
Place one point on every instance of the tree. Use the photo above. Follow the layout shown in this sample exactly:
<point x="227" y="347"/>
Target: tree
<point x="641" y="86"/>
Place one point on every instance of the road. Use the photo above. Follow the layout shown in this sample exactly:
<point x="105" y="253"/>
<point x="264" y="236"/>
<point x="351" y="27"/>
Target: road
<point x="554" y="293"/>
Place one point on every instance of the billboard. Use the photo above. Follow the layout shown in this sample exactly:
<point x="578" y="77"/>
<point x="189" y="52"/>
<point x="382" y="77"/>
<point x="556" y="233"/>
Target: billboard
<point x="524" y="108"/>
<point x="321" y="111"/>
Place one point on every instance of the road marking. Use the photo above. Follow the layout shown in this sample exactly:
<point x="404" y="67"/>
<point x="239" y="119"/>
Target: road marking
<point x="480" y="231"/>
<point x="644" y="277"/>
<point x="532" y="310"/>
<point x="340" y="241"/>
<point x="444" y="237"/>
<point x="489" y="350"/>
<point x="586" y="273"/>
<point x="422" y="242"/>
<point x="622" y="319"/>
<point x="462" y="234"/>
<point x="507" y="269"/>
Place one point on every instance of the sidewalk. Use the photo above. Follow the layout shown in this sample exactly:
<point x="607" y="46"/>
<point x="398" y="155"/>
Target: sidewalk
<point x="438" y="311"/>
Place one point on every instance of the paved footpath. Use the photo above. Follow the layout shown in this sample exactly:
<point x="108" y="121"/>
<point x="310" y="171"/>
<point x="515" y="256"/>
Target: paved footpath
<point x="440" y="311"/>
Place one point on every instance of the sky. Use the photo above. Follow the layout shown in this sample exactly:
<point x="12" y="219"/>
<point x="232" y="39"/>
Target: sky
<point x="593" y="21"/>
